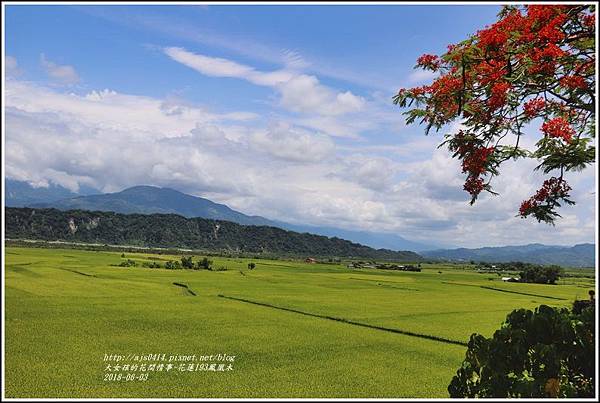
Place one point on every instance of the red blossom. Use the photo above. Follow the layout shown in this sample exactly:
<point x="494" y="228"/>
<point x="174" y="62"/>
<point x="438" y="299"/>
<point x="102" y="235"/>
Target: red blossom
<point x="545" y="59"/>
<point x="417" y="91"/>
<point x="573" y="82"/>
<point x="490" y="71"/>
<point x="552" y="189"/>
<point x="431" y="62"/>
<point x="473" y="185"/>
<point x="474" y="161"/>
<point x="496" y="36"/>
<point x="558" y="128"/>
<point x="525" y="208"/>
<point x="533" y="107"/>
<point x="498" y="96"/>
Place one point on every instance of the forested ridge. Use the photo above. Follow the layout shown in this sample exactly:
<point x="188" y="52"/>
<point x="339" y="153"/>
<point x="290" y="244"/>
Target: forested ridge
<point x="174" y="231"/>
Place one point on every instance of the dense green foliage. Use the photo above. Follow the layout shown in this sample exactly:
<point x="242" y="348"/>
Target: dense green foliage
<point x="548" y="352"/>
<point x="540" y="274"/>
<point x="173" y="231"/>
<point x="66" y="308"/>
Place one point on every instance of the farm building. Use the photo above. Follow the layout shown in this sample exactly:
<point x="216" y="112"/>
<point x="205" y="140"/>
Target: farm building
<point x="310" y="260"/>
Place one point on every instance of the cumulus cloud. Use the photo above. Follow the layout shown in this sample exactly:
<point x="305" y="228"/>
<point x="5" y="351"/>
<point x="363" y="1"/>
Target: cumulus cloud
<point x="63" y="74"/>
<point x="110" y="140"/>
<point x="305" y="94"/>
<point x="289" y="143"/>
<point x="372" y="172"/>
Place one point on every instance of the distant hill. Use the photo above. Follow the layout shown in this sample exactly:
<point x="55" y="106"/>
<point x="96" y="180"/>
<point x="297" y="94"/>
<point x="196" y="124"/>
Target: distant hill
<point x="21" y="194"/>
<point x="372" y="239"/>
<point x="582" y="255"/>
<point x="174" y="231"/>
<point x="151" y="199"/>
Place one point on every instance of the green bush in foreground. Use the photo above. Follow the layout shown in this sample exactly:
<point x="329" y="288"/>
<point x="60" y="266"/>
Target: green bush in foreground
<point x="545" y="353"/>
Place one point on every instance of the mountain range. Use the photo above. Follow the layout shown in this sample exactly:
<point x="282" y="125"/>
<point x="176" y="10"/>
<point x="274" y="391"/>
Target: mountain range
<point x="582" y="255"/>
<point x="151" y="199"/>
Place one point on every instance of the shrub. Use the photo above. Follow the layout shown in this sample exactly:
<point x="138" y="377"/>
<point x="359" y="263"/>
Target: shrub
<point x="545" y="353"/>
<point x="186" y="262"/>
<point x="173" y="265"/>
<point x="204" y="264"/>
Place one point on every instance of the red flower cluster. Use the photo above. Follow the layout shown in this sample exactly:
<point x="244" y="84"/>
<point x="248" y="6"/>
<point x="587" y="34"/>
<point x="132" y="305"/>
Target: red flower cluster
<point x="573" y="82"/>
<point x="552" y="189"/>
<point x="533" y="107"/>
<point x="544" y="59"/>
<point x="474" y="164"/>
<point x="589" y="20"/>
<point x="492" y="38"/>
<point x="473" y="185"/>
<point x="475" y="161"/>
<point x="431" y="62"/>
<point x="490" y="71"/>
<point x="498" y="96"/>
<point x="551" y="33"/>
<point x="417" y="91"/>
<point x="496" y="36"/>
<point x="558" y="128"/>
<point x="444" y="92"/>
<point x="541" y="15"/>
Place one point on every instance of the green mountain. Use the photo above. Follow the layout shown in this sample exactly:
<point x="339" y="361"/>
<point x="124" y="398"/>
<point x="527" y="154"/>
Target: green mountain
<point x="151" y="199"/>
<point x="174" y="231"/>
<point x="582" y="255"/>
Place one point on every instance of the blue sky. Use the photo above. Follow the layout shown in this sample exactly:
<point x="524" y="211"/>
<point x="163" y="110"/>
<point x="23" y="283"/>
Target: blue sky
<point x="282" y="111"/>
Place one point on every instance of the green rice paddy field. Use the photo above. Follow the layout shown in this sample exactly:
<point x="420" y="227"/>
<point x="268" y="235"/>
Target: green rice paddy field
<point x="341" y="333"/>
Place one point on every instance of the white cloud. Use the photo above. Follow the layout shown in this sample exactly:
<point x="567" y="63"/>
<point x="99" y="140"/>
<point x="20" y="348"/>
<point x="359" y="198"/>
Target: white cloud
<point x="376" y="173"/>
<point x="63" y="74"/>
<point x="283" y="141"/>
<point x="299" y="92"/>
<point x="111" y="140"/>
<point x="218" y="67"/>
<point x="305" y="94"/>
<point x="422" y="76"/>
